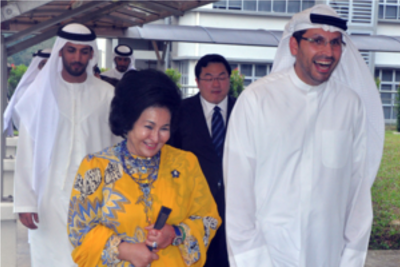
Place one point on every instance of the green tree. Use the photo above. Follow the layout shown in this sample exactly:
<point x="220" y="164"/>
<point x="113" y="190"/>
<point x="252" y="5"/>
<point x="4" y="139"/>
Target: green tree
<point x="237" y="83"/>
<point x="15" y="76"/>
<point x="174" y="75"/>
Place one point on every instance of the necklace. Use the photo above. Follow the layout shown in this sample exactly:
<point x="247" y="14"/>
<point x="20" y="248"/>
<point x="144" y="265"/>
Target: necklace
<point x="147" y="171"/>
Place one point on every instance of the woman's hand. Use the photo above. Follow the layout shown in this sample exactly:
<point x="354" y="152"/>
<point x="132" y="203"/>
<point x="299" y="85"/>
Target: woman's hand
<point x="163" y="237"/>
<point x="137" y="254"/>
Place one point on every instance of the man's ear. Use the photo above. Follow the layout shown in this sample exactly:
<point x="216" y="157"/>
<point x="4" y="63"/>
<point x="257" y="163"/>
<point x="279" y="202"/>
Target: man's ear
<point x="197" y="82"/>
<point x="294" y="46"/>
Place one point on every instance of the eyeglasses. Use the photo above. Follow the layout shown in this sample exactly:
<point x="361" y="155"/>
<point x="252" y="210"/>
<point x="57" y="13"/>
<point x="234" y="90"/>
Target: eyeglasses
<point x="322" y="42"/>
<point x="219" y="78"/>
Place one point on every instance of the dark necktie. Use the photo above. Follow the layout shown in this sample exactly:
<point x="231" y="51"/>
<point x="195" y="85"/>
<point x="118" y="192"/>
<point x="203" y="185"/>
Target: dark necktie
<point x="218" y="131"/>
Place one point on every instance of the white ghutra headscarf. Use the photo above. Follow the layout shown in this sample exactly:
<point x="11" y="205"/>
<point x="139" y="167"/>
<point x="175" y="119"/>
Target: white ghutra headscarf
<point x="29" y="76"/>
<point x="125" y="51"/>
<point x="351" y="70"/>
<point x="38" y="110"/>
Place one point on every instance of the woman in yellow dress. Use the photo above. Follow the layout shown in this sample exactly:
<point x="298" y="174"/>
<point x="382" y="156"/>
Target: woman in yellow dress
<point x="119" y="191"/>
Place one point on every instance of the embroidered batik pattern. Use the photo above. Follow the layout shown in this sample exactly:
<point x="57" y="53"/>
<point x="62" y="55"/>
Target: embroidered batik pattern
<point x="109" y="256"/>
<point x="112" y="173"/>
<point x="190" y="249"/>
<point x="113" y="203"/>
<point x="89" y="184"/>
<point x="110" y="252"/>
<point x="83" y="216"/>
<point x="209" y="223"/>
<point x="138" y="237"/>
<point x="144" y="172"/>
<point x="110" y="153"/>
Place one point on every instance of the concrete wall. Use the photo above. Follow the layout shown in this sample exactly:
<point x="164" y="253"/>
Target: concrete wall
<point x="231" y="52"/>
<point x="388" y="59"/>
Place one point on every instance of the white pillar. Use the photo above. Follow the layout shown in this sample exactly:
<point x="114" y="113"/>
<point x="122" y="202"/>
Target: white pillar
<point x="108" y="53"/>
<point x="8" y="218"/>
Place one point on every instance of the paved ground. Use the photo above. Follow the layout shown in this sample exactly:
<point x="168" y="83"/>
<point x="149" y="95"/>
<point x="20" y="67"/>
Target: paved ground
<point x="383" y="258"/>
<point x="23" y="258"/>
<point x="376" y="258"/>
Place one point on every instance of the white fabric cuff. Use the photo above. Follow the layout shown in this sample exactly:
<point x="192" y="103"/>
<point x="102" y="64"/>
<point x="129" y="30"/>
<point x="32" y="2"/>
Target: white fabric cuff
<point x="353" y="258"/>
<point x="255" y="257"/>
<point x="25" y="209"/>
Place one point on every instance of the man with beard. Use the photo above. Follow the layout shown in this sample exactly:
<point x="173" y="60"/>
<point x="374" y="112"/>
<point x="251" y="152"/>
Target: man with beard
<point x="302" y="150"/>
<point x="124" y="61"/>
<point x="63" y="116"/>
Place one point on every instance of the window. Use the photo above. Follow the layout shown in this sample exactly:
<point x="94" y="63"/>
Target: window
<point x="183" y="68"/>
<point x="187" y="90"/>
<point x="275" y="6"/>
<point x="390" y="80"/>
<point x="389" y="9"/>
<point x="252" y="72"/>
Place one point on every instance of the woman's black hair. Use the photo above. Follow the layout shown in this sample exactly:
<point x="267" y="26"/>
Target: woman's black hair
<point x="137" y="91"/>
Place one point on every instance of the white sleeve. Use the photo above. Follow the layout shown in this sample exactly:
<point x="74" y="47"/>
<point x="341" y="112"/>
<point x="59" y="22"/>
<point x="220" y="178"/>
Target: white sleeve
<point x="245" y="239"/>
<point x="25" y="199"/>
<point x="359" y="209"/>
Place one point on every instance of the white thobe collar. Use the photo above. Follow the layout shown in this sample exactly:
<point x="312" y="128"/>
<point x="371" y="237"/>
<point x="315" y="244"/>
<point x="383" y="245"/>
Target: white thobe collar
<point x="302" y="85"/>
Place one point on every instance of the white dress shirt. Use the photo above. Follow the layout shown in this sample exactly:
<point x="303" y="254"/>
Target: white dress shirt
<point x="208" y="110"/>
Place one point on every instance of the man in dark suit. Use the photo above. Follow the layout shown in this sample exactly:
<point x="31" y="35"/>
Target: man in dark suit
<point x="201" y="126"/>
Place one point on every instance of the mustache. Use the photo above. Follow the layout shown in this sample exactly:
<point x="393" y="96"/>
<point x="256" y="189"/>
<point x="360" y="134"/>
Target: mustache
<point x="322" y="57"/>
<point x="77" y="63"/>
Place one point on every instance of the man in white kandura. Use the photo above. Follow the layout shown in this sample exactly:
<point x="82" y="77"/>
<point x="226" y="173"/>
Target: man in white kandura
<point x="63" y="116"/>
<point x="302" y="150"/>
<point x="124" y="61"/>
<point x="38" y="61"/>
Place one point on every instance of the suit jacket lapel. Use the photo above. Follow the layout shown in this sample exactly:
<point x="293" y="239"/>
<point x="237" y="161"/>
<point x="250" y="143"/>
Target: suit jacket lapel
<point x="201" y="126"/>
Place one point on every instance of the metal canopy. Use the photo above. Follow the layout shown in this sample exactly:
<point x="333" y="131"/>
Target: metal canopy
<point x="198" y="34"/>
<point x="36" y="21"/>
<point x="39" y="20"/>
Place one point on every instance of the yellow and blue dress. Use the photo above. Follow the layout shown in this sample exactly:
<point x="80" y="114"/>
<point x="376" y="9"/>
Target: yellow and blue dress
<point x="116" y="195"/>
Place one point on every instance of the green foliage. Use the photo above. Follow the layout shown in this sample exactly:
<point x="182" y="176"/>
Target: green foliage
<point x="174" y="75"/>
<point x="377" y="82"/>
<point x="386" y="197"/>
<point x="14" y="78"/>
<point x="237" y="81"/>
<point x="103" y="69"/>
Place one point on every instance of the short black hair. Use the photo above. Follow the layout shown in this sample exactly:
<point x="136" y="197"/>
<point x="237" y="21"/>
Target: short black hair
<point x="211" y="58"/>
<point x="298" y="35"/>
<point x="137" y="91"/>
<point x="96" y="69"/>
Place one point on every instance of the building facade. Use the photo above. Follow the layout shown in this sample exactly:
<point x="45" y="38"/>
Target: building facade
<point x="365" y="17"/>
